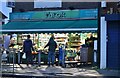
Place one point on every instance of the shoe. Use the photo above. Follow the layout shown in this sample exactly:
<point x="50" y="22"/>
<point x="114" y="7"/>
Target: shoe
<point x="48" y="65"/>
<point x="53" y="65"/>
<point x="32" y="65"/>
<point x="27" y="65"/>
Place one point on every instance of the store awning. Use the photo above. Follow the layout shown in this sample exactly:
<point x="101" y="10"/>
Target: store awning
<point x="50" y="26"/>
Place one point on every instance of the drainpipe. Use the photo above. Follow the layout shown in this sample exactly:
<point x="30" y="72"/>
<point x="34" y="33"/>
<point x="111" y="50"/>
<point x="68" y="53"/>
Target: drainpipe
<point x="103" y="36"/>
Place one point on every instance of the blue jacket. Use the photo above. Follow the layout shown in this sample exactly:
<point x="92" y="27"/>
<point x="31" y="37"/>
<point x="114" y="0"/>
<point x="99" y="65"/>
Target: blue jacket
<point x="27" y="46"/>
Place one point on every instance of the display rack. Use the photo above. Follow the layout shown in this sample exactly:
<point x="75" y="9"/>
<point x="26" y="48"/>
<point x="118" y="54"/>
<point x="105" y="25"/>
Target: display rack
<point x="61" y="38"/>
<point x="74" y="40"/>
<point x="43" y="40"/>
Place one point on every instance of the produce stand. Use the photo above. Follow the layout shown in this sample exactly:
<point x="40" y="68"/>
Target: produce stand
<point x="70" y="30"/>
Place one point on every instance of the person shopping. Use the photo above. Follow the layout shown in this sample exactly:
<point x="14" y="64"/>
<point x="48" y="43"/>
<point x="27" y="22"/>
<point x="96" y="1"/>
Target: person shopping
<point x="28" y="48"/>
<point x="52" y="47"/>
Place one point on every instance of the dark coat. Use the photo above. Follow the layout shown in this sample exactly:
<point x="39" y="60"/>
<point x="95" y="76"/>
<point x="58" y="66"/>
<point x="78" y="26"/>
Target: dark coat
<point x="27" y="46"/>
<point x="52" y="45"/>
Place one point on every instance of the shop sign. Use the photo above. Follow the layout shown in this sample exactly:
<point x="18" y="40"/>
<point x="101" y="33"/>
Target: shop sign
<point x="20" y="15"/>
<point x="11" y="3"/>
<point x="84" y="13"/>
<point x="89" y="13"/>
<point x="46" y="14"/>
<point x="55" y="15"/>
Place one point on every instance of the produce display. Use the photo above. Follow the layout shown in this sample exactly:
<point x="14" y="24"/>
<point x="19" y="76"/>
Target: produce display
<point x="71" y="41"/>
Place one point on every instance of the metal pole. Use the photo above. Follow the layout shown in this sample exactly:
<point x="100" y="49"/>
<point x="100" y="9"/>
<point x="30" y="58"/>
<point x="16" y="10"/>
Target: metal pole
<point x="95" y="53"/>
<point x="95" y="58"/>
<point x="13" y="59"/>
<point x="63" y="56"/>
<point x="39" y="57"/>
<point x="98" y="45"/>
<point x="0" y="62"/>
<point x="19" y="57"/>
<point x="1" y="49"/>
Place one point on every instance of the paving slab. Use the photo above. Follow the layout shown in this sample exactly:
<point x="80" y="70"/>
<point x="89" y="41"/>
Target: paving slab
<point x="56" y="71"/>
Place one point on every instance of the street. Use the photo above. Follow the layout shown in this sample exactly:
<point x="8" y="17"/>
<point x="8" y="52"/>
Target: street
<point x="22" y="71"/>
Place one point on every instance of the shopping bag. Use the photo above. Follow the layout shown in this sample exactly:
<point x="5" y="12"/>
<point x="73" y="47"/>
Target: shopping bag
<point x="24" y="56"/>
<point x="4" y="56"/>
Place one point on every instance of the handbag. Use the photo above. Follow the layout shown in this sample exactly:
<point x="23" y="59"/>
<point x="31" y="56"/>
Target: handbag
<point x="24" y="56"/>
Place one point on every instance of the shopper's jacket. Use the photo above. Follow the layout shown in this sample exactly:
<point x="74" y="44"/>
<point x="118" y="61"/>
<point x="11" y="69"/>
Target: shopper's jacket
<point x="52" y="45"/>
<point x="27" y="46"/>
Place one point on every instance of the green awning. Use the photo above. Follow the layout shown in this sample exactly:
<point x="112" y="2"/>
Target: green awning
<point x="50" y="26"/>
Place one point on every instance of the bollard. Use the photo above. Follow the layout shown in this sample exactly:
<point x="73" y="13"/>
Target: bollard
<point x="63" y="61"/>
<point x="18" y="57"/>
<point x="95" y="58"/>
<point x="0" y="62"/>
<point x="95" y="53"/>
<point x="60" y="55"/>
<point x="13" y="59"/>
<point x="39" y="57"/>
<point x="13" y="53"/>
<point x="63" y="57"/>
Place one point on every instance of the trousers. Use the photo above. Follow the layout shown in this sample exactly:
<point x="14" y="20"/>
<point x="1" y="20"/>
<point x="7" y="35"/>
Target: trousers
<point x="51" y="57"/>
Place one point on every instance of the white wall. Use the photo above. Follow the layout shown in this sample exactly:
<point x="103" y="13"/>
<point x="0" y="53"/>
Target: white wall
<point x="103" y="40"/>
<point x="47" y="3"/>
<point x="4" y="9"/>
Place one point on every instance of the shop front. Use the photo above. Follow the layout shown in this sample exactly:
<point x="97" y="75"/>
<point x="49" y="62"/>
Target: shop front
<point x="74" y="29"/>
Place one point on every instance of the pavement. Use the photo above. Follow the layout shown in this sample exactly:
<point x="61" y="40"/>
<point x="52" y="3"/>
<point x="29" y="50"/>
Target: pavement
<point x="57" y="71"/>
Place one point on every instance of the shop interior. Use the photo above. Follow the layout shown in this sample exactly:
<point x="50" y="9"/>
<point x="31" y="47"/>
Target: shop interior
<point x="78" y="47"/>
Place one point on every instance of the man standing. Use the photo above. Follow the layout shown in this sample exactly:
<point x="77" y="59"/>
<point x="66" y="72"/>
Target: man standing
<point x="27" y="48"/>
<point x="52" y="46"/>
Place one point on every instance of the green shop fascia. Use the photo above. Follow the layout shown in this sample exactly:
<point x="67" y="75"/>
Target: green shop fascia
<point x="52" y="21"/>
